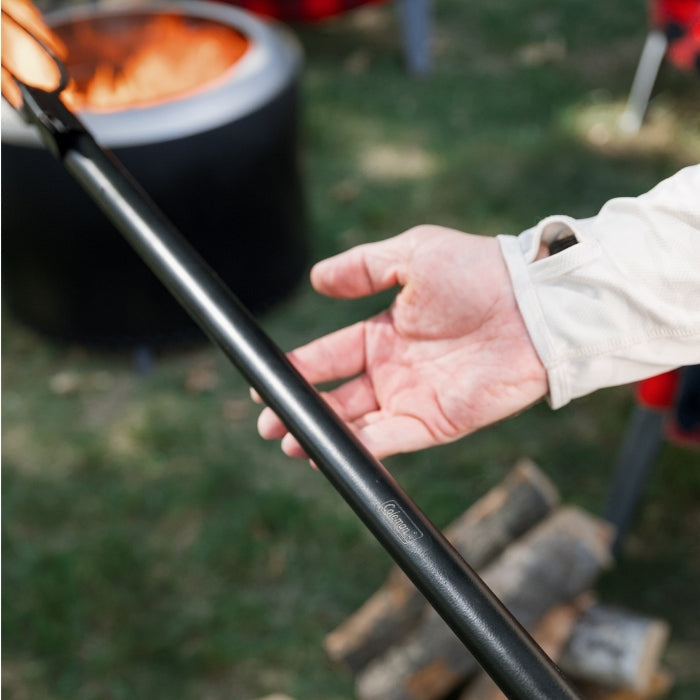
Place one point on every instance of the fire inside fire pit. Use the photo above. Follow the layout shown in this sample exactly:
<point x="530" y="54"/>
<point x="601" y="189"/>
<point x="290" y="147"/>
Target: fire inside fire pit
<point x="199" y="101"/>
<point x="144" y="59"/>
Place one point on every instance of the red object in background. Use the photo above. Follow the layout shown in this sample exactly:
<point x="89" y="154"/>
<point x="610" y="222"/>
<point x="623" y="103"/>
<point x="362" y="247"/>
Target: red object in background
<point x="300" y="10"/>
<point x="658" y="392"/>
<point x="416" y="20"/>
<point x="680" y="22"/>
<point x="674" y="394"/>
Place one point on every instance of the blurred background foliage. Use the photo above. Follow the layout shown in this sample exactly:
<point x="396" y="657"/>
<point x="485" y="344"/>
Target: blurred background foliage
<point x="153" y="545"/>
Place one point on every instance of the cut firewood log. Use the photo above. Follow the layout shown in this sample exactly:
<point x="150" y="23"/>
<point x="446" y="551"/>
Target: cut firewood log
<point x="551" y="633"/>
<point x="616" y="648"/>
<point x="522" y="500"/>
<point x="659" y="687"/>
<point x="607" y="652"/>
<point x="556" y="561"/>
<point x="483" y="688"/>
<point x="555" y="628"/>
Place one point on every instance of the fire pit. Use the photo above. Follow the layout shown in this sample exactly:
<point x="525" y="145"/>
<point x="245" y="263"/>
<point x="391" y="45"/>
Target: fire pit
<point x="218" y="154"/>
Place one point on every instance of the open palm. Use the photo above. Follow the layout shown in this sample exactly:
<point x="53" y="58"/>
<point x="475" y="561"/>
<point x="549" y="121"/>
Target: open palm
<point x="450" y="355"/>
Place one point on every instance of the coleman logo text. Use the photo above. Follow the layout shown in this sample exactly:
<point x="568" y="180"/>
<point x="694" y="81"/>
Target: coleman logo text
<point x="405" y="528"/>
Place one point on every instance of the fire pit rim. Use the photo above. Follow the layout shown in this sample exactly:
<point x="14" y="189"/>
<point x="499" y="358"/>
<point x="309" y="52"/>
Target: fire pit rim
<point x="272" y="58"/>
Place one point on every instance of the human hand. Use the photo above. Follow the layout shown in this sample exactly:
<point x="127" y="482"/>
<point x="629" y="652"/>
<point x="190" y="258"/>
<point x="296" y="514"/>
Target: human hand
<point x="25" y="39"/>
<point x="451" y="355"/>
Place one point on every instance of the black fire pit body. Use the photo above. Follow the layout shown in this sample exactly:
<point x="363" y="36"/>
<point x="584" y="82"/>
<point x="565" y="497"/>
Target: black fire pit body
<point x="222" y="162"/>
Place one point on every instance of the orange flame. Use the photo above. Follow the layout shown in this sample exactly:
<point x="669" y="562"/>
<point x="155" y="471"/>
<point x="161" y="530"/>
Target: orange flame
<point x="156" y="58"/>
<point x="151" y="62"/>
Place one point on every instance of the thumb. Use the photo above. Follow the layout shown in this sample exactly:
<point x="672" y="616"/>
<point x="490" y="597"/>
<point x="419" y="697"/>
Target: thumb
<point x="363" y="270"/>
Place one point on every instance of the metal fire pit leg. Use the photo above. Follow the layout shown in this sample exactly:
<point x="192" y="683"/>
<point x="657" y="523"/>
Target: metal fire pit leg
<point x="497" y="641"/>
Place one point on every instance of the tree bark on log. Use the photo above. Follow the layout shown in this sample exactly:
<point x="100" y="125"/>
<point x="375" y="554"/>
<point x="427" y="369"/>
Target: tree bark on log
<point x="553" y="563"/>
<point x="611" y="654"/>
<point x="483" y="688"/>
<point x="522" y="500"/>
<point x="615" y="648"/>
<point x="551" y="633"/>
<point x="659" y="686"/>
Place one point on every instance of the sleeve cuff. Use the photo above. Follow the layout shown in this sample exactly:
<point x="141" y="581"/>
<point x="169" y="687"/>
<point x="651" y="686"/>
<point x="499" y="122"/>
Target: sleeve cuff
<point x="518" y="252"/>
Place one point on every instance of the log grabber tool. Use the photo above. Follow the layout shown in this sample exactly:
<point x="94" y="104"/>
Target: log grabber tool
<point x="493" y="636"/>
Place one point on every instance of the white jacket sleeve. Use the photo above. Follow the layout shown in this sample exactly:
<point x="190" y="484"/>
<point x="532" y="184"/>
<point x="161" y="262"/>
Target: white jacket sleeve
<point x="621" y="304"/>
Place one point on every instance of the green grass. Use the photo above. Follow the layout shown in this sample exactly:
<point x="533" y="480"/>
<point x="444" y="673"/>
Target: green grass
<point x="154" y="546"/>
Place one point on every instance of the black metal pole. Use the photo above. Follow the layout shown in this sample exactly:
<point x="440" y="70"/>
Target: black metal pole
<point x="503" y="648"/>
<point x="638" y="452"/>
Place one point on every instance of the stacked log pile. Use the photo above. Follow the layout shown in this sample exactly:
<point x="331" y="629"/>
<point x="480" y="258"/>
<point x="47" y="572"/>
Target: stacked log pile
<point x="541" y="559"/>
